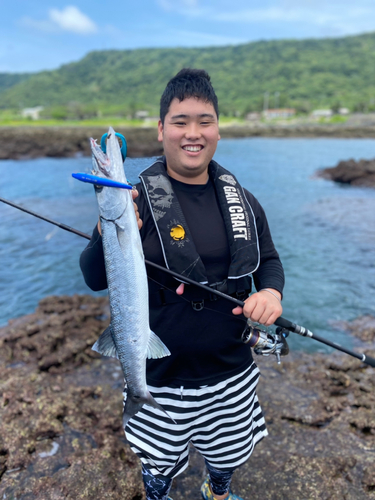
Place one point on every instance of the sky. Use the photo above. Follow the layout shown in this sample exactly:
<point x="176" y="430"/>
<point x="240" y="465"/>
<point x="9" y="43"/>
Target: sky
<point x="38" y="35"/>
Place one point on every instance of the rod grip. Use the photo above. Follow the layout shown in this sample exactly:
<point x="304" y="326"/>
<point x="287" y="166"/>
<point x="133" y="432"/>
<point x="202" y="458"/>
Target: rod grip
<point x="284" y="323"/>
<point x="369" y="361"/>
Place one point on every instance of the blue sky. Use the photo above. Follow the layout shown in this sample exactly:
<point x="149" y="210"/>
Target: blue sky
<point x="39" y="34"/>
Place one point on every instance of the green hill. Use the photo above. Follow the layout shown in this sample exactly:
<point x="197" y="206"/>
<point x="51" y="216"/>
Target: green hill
<point x="305" y="73"/>
<point x="8" y="80"/>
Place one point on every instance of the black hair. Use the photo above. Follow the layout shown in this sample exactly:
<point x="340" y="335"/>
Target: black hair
<point x="188" y="83"/>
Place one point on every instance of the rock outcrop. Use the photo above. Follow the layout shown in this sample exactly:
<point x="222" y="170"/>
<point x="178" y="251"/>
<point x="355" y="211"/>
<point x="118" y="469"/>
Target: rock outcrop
<point x="356" y="173"/>
<point x="61" y="434"/>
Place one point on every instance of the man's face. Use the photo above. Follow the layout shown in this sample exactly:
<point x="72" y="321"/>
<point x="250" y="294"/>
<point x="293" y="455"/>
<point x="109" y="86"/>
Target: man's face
<point x="189" y="135"/>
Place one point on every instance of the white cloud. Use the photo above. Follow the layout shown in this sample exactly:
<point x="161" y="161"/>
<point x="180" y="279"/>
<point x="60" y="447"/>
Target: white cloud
<point x="68" y="19"/>
<point x="72" y="19"/>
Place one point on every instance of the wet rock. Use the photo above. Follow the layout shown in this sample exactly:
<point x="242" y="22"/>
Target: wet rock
<point x="60" y="407"/>
<point x="369" y="478"/>
<point x="61" y="435"/>
<point x="356" y="173"/>
<point x="362" y="328"/>
<point x="59" y="334"/>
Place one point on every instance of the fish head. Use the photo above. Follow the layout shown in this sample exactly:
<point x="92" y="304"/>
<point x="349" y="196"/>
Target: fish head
<point x="112" y="201"/>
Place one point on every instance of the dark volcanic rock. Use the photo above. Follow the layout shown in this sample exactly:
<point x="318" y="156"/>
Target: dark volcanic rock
<point x="60" y="405"/>
<point x="356" y="173"/>
<point x="363" y="328"/>
<point x="61" y="433"/>
<point x="34" y="142"/>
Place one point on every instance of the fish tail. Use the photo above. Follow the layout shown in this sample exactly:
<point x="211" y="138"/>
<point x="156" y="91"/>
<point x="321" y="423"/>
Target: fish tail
<point x="131" y="408"/>
<point x="133" y="405"/>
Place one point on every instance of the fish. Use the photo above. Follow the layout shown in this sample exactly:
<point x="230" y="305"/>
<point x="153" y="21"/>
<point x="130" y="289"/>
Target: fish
<point x="128" y="337"/>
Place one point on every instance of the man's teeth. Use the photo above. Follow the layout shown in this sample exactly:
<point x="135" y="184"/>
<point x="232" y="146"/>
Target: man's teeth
<point x="193" y="149"/>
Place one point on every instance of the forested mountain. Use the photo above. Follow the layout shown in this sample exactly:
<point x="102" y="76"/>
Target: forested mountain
<point x="8" y="80"/>
<point x="296" y="73"/>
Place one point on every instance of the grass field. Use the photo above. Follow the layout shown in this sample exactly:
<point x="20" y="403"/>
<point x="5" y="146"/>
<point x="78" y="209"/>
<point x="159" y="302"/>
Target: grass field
<point x="11" y="120"/>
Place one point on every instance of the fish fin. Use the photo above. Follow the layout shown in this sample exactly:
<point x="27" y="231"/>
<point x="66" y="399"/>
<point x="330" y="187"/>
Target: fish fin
<point x="156" y="348"/>
<point x="133" y="405"/>
<point x="105" y="345"/>
<point x="159" y="407"/>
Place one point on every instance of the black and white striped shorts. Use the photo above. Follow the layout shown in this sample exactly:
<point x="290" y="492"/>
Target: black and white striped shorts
<point x="223" y="422"/>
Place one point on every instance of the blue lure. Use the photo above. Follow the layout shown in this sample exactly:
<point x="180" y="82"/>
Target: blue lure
<point x="100" y="181"/>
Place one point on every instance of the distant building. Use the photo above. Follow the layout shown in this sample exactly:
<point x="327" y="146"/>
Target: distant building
<point x="32" y="113"/>
<point x="151" y="119"/>
<point x="253" y="117"/>
<point x="270" y="114"/>
<point x="322" y="113"/>
<point x="141" y="115"/>
<point x="344" y="111"/>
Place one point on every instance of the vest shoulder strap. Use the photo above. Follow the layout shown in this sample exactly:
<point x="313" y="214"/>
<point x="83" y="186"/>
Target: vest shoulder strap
<point x="177" y="244"/>
<point x="178" y="248"/>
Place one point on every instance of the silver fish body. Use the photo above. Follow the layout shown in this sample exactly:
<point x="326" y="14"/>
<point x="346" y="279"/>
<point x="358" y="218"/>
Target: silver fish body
<point x="128" y="337"/>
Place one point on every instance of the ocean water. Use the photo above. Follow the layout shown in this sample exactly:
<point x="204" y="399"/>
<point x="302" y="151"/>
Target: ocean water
<point x="324" y="232"/>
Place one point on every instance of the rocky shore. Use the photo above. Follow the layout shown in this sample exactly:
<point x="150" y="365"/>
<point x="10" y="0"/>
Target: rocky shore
<point x="61" y="142"/>
<point x="60" y="417"/>
<point x="357" y="173"/>
<point x="34" y="141"/>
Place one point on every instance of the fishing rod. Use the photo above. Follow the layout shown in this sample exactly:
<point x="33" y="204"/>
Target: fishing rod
<point x="58" y="224"/>
<point x="261" y="340"/>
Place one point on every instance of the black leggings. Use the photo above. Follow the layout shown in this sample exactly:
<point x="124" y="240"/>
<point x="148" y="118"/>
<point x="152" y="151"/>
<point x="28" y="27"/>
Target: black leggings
<point x="158" y="487"/>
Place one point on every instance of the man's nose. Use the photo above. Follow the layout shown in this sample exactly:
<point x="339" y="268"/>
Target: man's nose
<point x="193" y="131"/>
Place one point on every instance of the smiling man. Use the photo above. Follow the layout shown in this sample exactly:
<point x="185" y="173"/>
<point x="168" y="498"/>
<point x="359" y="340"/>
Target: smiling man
<point x="197" y="220"/>
<point x="189" y="132"/>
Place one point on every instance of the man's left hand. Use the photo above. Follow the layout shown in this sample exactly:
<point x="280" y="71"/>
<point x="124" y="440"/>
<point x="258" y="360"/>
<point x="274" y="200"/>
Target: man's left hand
<point x="262" y="307"/>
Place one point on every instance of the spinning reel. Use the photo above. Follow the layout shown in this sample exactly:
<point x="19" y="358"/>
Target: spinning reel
<point x="264" y="342"/>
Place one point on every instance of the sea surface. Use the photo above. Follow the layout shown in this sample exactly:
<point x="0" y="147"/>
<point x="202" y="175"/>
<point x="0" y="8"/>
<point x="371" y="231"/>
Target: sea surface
<point x="324" y="232"/>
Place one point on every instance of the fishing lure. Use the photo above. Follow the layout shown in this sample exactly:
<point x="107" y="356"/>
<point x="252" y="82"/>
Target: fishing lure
<point x="100" y="181"/>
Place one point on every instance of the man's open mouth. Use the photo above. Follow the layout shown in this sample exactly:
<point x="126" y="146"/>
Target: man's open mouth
<point x="193" y="149"/>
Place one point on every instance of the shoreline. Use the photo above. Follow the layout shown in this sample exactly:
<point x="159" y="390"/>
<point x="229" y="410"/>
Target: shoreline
<point x="61" y="142"/>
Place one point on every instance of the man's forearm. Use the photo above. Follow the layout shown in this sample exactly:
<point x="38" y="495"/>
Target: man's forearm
<point x="270" y="274"/>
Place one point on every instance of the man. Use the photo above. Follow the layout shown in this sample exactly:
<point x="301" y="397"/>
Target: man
<point x="196" y="219"/>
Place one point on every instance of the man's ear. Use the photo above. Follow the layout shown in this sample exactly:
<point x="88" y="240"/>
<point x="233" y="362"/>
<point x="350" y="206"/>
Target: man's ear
<point x="160" y="131"/>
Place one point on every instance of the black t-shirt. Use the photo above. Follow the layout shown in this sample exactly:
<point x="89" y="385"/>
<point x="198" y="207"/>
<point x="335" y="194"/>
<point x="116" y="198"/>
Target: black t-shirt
<point x="205" y="345"/>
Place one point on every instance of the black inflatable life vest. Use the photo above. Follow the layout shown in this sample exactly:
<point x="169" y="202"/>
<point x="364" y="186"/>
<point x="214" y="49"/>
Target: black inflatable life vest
<point x="172" y="228"/>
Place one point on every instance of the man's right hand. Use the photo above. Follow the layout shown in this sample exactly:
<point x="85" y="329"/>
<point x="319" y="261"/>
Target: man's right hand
<point x="139" y="220"/>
